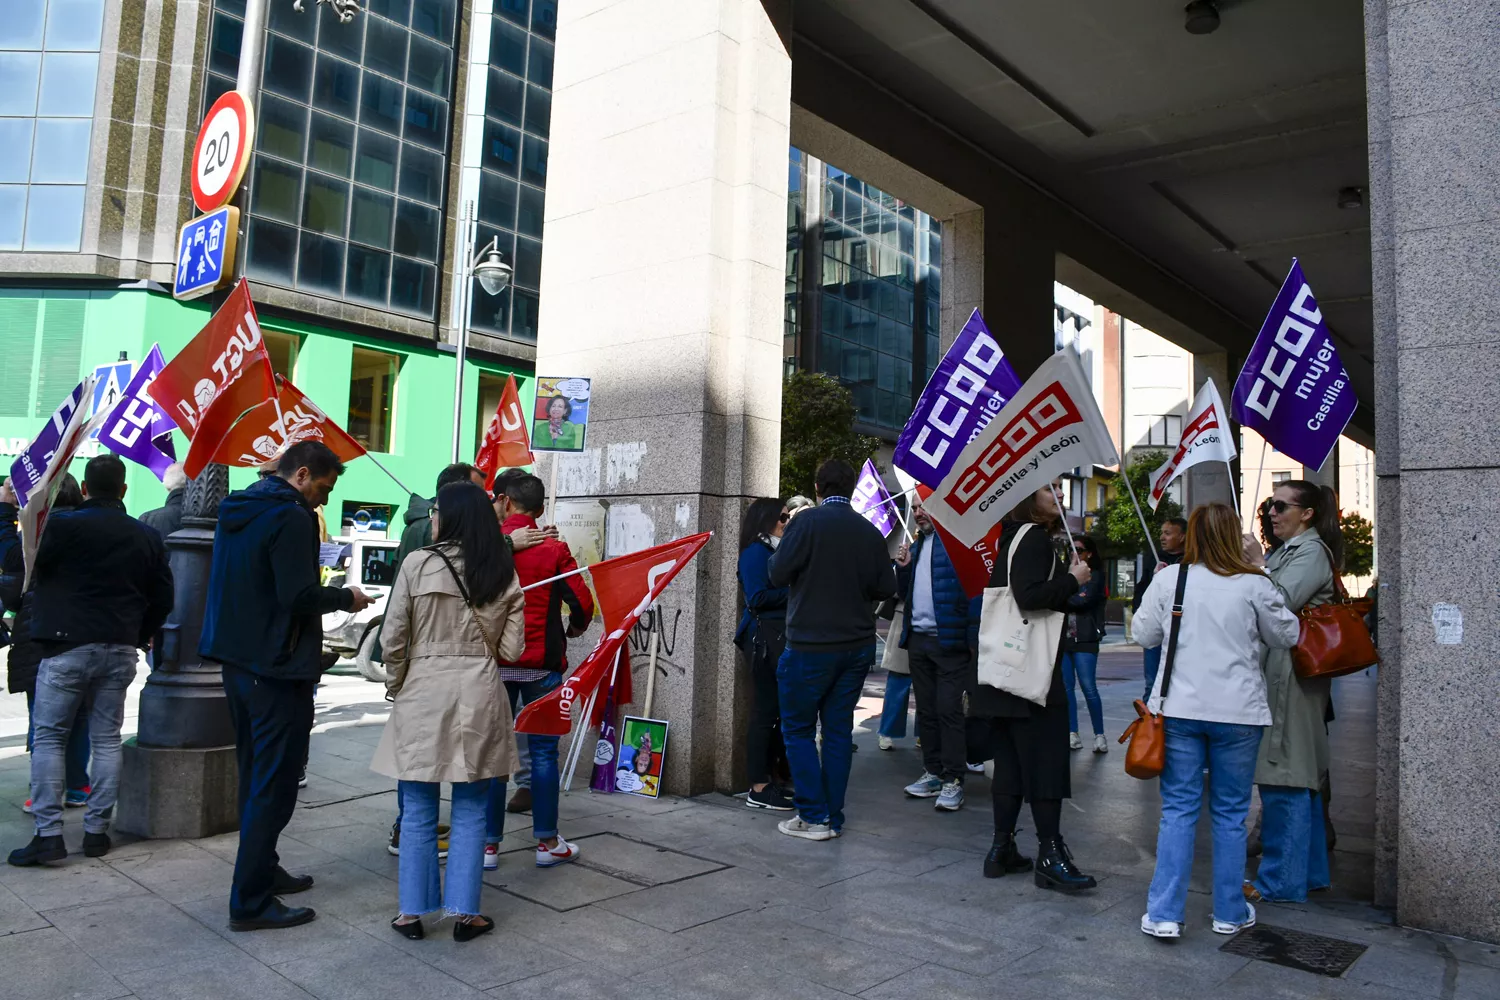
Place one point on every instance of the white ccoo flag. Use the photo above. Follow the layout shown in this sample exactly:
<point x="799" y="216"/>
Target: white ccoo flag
<point x="1051" y="426"/>
<point x="1205" y="438"/>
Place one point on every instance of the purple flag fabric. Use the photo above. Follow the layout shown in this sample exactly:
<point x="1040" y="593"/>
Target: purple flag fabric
<point x="970" y="385"/>
<point x="871" y="499"/>
<point x="28" y="470"/>
<point x="606" y="748"/>
<point x="138" y="428"/>
<point x="1293" y="390"/>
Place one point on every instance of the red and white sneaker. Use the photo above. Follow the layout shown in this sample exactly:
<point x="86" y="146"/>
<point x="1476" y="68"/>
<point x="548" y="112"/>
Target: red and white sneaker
<point x="27" y="807"/>
<point x="491" y="857"/>
<point x="551" y="857"/>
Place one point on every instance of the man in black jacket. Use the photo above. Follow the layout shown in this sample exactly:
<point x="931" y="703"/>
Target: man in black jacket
<point x="103" y="589"/>
<point x="838" y="570"/>
<point x="168" y="517"/>
<point x="263" y="623"/>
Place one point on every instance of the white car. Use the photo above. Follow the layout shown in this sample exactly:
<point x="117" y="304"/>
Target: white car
<point x="370" y="565"/>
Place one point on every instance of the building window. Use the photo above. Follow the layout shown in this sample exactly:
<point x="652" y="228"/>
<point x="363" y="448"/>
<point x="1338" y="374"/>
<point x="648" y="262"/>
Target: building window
<point x="372" y="394"/>
<point x="283" y="349"/>
<point x="880" y="266"/>
<point x="490" y="388"/>
<point x="1166" y="430"/>
<point x="49" y="69"/>
<point x="1102" y="496"/>
<point x="517" y="110"/>
<point x="1280" y="479"/>
<point x="348" y="180"/>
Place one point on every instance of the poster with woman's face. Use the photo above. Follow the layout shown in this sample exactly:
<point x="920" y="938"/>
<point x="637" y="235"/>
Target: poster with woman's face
<point x="643" y="748"/>
<point x="560" y="421"/>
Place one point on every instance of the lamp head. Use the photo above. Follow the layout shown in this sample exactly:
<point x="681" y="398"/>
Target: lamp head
<point x="492" y="272"/>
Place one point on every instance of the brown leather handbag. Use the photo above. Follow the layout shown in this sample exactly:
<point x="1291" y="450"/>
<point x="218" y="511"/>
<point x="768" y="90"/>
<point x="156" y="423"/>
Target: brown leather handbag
<point x="1334" y="639"/>
<point x="1147" y="754"/>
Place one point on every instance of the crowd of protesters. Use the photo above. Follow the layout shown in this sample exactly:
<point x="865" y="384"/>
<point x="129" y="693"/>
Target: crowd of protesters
<point x="467" y="642"/>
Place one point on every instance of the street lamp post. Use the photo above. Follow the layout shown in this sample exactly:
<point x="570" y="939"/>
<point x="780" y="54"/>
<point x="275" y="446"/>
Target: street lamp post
<point x="493" y="275"/>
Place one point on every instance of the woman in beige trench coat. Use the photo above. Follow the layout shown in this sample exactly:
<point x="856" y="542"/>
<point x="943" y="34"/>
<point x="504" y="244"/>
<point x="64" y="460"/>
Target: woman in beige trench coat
<point x="456" y="607"/>
<point x="1294" y="752"/>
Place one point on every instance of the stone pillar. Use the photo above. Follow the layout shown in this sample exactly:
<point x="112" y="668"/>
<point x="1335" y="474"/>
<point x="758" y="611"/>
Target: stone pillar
<point x="1435" y="241"/>
<point x="1020" y="265"/>
<point x="963" y="274"/>
<point x="663" y="281"/>
<point x="1211" y="481"/>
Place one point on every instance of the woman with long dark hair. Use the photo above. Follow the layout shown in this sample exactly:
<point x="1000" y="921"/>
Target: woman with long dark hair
<point x="1215" y="708"/>
<point x="1030" y="741"/>
<point x="1294" y="753"/>
<point x="1080" y="658"/>
<point x="762" y="637"/>
<point x="455" y="612"/>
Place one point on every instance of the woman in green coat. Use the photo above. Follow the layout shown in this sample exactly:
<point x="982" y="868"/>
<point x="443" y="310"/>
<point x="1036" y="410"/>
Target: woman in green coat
<point x="1294" y="753"/>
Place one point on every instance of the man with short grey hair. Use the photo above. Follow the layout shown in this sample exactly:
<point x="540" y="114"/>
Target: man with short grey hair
<point x="168" y="517"/>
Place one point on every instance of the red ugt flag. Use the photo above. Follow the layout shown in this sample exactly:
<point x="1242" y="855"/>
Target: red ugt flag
<point x="222" y="372"/>
<point x="506" y="444"/>
<point x="260" y="436"/>
<point x="627" y="586"/>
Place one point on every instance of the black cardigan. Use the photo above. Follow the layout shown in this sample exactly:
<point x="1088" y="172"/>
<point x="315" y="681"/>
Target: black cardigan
<point x="1035" y="558"/>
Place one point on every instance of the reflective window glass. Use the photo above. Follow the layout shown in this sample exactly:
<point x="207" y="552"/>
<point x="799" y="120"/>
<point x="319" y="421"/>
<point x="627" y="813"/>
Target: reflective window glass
<point x="367" y="277"/>
<point x="320" y="265"/>
<point x="68" y="84"/>
<point x="504" y="97"/>
<point x="289" y="67"/>
<point x="538" y="110"/>
<point x="15" y="150"/>
<point x="273" y="250"/>
<point x="518" y="11"/>
<point x="325" y="205"/>
<point x="412" y="285"/>
<point x="281" y="129"/>
<point x="276" y="190"/>
<point x="430" y="66"/>
<point x="508" y="46"/>
<point x="539" y="71"/>
<point x="12" y="215"/>
<point x="416" y="230"/>
<point x="435" y="18"/>
<point x="497" y="200"/>
<point x="397" y="10"/>
<point x="528" y="264"/>
<point x="529" y="218"/>
<point x="385" y="47"/>
<point x="501" y="150"/>
<point x="525" y="313"/>
<point x="330" y="145"/>
<point x="544" y="17"/>
<point x="372" y="394"/>
<point x="19" y="73"/>
<point x="426" y="119"/>
<point x="380" y="104"/>
<point x="534" y="161"/>
<point x="421" y="175"/>
<point x="371" y="217"/>
<point x="21" y="27"/>
<point x="54" y="217"/>
<point x="336" y="86"/>
<point x="61" y="152"/>
<point x="346" y="40"/>
<point x="375" y="162"/>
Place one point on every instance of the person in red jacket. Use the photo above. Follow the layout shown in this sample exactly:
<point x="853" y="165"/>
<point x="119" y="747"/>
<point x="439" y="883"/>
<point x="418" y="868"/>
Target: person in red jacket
<point x="541" y="665"/>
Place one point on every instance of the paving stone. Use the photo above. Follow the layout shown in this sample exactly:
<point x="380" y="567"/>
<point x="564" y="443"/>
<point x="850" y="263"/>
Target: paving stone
<point x="597" y="937"/>
<point x="361" y="843"/>
<point x="928" y="981"/>
<point x="135" y="934"/>
<point x="745" y="974"/>
<point x="709" y="897"/>
<point x="16" y="916"/>
<point x="72" y="882"/>
<point x="177" y="871"/>
<point x="45" y="965"/>
<point x="325" y="936"/>
<point x="296" y="854"/>
<point x="368" y="968"/>
<point x="641" y="862"/>
<point x="232" y="975"/>
<point x="564" y="887"/>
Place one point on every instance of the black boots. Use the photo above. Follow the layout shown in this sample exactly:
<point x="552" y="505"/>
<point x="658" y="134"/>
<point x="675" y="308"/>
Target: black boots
<point x="1055" y="868"/>
<point x="40" y="850"/>
<point x="1004" y="858"/>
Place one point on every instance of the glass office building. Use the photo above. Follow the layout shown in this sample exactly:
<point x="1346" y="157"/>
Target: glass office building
<point x="863" y="289"/>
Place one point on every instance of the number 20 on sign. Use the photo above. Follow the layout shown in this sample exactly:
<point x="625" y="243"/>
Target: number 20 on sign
<point x="222" y="151"/>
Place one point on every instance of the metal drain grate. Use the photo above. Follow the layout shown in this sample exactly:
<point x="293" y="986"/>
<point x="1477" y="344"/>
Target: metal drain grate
<point x="1314" y="953"/>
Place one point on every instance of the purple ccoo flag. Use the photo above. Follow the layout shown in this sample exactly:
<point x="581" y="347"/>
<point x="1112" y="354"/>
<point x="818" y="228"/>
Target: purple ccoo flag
<point x="27" y="471"/>
<point x="1293" y="390"/>
<point x="970" y="385"/>
<point x="871" y="499"/>
<point x="138" y="428"/>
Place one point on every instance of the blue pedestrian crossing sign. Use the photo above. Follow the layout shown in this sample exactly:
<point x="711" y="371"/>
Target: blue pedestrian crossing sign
<point x="205" y="253"/>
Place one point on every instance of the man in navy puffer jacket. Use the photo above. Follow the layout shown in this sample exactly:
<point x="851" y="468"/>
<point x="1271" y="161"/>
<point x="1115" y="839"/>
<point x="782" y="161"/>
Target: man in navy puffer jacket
<point x="936" y="637"/>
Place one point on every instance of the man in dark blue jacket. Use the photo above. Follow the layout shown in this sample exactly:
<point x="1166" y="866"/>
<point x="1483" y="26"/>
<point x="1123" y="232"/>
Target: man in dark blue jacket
<point x="837" y="568"/>
<point x="936" y="637"/>
<point x="263" y="623"/>
<point x="103" y="589"/>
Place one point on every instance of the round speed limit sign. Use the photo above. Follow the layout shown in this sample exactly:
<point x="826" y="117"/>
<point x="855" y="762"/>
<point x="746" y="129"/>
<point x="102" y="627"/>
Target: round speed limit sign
<point x="222" y="151"/>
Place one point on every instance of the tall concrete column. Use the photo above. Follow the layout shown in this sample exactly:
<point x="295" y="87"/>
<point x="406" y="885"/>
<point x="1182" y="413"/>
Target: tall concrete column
<point x="1020" y="264"/>
<point x="1211" y="481"/>
<point x="1435" y="241"/>
<point x="663" y="282"/>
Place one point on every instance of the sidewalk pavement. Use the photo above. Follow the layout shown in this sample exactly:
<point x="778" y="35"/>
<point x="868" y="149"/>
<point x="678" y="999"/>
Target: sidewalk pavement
<point x="701" y="898"/>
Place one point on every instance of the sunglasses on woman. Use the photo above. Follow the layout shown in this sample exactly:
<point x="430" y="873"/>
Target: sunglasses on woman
<point x="785" y="517"/>
<point x="1280" y="506"/>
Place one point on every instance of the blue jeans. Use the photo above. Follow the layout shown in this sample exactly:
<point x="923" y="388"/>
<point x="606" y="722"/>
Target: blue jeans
<point x="1085" y="667"/>
<point x="822" y="687"/>
<point x="418" y="881"/>
<point x="77" y="754"/>
<point x="544" y="775"/>
<point x="1153" y="664"/>
<point x="1229" y="751"/>
<point x="95" y="675"/>
<point x="893" y="712"/>
<point x="1294" y="849"/>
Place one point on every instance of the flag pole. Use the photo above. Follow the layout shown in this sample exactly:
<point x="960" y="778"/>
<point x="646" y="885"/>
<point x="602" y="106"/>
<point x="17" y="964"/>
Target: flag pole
<point x="552" y="492"/>
<point x="1125" y="475"/>
<point x="579" y="737"/>
<point x="382" y="468"/>
<point x="1264" y="447"/>
<point x="554" y="579"/>
<point x="905" y="527"/>
<point x="651" y="677"/>
<point x="1068" y="531"/>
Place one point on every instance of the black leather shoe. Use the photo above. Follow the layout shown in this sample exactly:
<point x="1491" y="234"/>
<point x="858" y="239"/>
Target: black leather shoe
<point x="463" y="931"/>
<point x="1055" y="868"/>
<point x="287" y="884"/>
<point x="41" y="849"/>
<point x="1004" y="858"/>
<point x="274" y="916"/>
<point x="411" y="931"/>
<point x="96" y="845"/>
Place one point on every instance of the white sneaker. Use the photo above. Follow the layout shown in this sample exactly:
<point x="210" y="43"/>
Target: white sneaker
<point x="492" y="856"/>
<point x="1101" y="745"/>
<point x="928" y="786"/>
<point x="1075" y="742"/>
<point x="1160" y="928"/>
<point x="1225" y="927"/>
<point x="551" y="857"/>
<point x="975" y="768"/>
<point x="796" y="826"/>
<point x="886" y="743"/>
<point x="951" y="797"/>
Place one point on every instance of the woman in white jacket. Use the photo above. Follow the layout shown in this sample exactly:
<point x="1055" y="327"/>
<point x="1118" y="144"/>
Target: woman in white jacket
<point x="1214" y="701"/>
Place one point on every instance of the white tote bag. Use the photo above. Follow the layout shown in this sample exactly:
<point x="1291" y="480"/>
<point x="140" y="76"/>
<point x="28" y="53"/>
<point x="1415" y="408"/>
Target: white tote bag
<point x="1017" y="649"/>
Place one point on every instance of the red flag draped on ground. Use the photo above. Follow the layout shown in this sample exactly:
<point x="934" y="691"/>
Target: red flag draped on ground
<point x="261" y="434"/>
<point x="505" y="442"/>
<point x="626" y="587"/>
<point x="972" y="564"/>
<point x="222" y="372"/>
